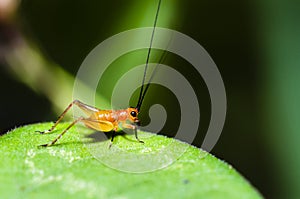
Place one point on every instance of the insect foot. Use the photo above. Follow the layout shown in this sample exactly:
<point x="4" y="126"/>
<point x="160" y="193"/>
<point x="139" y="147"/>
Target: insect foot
<point x="43" y="132"/>
<point x="44" y="145"/>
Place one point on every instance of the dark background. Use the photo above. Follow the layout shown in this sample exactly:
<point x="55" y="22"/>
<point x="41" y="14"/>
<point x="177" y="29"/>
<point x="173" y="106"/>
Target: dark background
<point x="254" y="44"/>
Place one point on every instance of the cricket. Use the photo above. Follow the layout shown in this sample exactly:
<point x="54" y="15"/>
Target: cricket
<point x="110" y="120"/>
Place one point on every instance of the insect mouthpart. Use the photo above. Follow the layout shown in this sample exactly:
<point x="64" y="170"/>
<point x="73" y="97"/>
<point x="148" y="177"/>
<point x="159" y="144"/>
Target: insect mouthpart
<point x="137" y="122"/>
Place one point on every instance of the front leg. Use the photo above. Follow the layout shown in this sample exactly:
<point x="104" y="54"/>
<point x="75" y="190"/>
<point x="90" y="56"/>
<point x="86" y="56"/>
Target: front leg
<point x="134" y="128"/>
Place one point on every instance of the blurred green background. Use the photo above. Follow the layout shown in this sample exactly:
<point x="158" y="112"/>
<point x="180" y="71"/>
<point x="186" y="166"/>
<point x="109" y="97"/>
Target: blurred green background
<point x="255" y="44"/>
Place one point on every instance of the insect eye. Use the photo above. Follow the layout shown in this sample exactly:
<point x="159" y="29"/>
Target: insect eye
<point x="133" y="113"/>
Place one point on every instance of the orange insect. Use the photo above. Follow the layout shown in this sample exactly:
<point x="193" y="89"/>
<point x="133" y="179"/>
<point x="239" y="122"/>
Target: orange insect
<point x="109" y="120"/>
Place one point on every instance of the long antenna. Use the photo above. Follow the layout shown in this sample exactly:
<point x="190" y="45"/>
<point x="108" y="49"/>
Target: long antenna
<point x="148" y="56"/>
<point x="161" y="60"/>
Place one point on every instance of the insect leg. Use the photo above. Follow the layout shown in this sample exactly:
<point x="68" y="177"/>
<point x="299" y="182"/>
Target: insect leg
<point x="60" y="135"/>
<point x="113" y="136"/>
<point x="134" y="128"/>
<point x="136" y="136"/>
<point x="59" y="118"/>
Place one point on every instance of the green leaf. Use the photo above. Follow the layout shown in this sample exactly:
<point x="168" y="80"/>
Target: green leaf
<point x="69" y="170"/>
